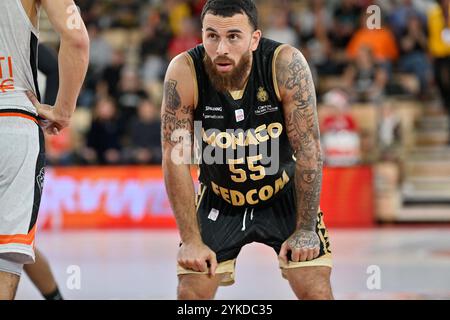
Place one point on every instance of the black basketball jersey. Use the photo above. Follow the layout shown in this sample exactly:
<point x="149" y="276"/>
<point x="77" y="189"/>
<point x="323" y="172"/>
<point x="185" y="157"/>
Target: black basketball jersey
<point x="242" y="147"/>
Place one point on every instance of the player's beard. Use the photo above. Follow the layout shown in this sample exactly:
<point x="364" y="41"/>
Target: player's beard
<point x="232" y="80"/>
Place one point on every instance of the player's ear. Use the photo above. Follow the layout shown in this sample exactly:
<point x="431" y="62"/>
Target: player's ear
<point x="256" y="37"/>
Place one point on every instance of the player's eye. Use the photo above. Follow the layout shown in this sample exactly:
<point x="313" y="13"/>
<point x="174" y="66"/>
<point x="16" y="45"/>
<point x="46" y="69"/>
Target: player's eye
<point x="233" y="36"/>
<point x="212" y="36"/>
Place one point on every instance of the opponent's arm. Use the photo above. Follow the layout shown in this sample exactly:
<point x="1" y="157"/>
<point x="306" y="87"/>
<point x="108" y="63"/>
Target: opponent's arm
<point x="73" y="61"/>
<point x="177" y="138"/>
<point x="298" y="96"/>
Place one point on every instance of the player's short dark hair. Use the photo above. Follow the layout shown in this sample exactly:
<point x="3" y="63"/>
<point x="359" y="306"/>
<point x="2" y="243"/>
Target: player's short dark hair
<point x="228" y="8"/>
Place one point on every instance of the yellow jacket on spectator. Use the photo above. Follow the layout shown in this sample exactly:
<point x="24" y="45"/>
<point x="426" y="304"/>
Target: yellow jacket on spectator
<point x="176" y="15"/>
<point x="436" y="24"/>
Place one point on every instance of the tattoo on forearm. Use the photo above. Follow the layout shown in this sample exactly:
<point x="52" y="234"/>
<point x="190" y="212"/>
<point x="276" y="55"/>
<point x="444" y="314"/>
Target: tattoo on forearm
<point x="309" y="198"/>
<point x="303" y="131"/>
<point x="175" y="116"/>
<point x="309" y="176"/>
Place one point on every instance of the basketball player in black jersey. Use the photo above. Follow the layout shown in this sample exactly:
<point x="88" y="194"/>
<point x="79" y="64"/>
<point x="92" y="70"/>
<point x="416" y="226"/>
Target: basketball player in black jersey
<point x="247" y="106"/>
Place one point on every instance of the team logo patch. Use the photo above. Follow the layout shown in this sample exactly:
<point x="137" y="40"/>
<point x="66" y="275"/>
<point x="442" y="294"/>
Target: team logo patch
<point x="262" y="95"/>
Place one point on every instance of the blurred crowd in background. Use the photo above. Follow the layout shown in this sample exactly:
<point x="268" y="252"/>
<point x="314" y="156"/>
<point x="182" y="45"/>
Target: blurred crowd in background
<point x="132" y="42"/>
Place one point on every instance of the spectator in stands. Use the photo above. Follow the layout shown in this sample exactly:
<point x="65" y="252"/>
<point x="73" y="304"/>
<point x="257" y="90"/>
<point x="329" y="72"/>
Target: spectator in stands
<point x="401" y="13"/>
<point x="346" y="21"/>
<point x="144" y="134"/>
<point x="439" y="44"/>
<point x="177" y="11"/>
<point x="339" y="132"/>
<point x="389" y="133"/>
<point x="187" y="38"/>
<point x="414" y="47"/>
<point x="89" y="10"/>
<point x="154" y="46"/>
<point x="103" y="138"/>
<point x="125" y="13"/>
<point x="381" y="41"/>
<point x="280" y="30"/>
<point x="156" y="35"/>
<point x="100" y="53"/>
<point x="59" y="149"/>
<point x="112" y="73"/>
<point x="315" y="25"/>
<point x="100" y="58"/>
<point x="129" y="94"/>
<point x="364" y="78"/>
<point x="315" y="15"/>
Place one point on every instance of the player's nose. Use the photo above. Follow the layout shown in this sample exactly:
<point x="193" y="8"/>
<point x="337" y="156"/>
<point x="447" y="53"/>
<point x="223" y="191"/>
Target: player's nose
<point x="222" y="48"/>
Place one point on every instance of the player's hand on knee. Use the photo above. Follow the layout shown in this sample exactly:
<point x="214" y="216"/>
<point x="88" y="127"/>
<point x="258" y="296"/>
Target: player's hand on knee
<point x="304" y="245"/>
<point x="198" y="257"/>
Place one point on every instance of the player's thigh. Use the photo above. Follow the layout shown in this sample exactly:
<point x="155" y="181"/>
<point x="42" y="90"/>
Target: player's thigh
<point x="310" y="282"/>
<point x="196" y="286"/>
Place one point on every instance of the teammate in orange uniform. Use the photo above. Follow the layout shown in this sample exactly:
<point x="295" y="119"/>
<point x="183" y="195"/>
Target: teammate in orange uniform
<point x="21" y="137"/>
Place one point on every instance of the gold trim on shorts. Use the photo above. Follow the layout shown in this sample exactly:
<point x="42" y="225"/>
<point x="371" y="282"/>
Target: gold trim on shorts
<point x="324" y="261"/>
<point x="227" y="268"/>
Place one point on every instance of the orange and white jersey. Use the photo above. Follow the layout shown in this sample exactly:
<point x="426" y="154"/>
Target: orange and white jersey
<point x="18" y="57"/>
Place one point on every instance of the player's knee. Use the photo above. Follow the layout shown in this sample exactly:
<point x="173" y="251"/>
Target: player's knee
<point x="314" y="290"/>
<point x="316" y="294"/>
<point x="187" y="292"/>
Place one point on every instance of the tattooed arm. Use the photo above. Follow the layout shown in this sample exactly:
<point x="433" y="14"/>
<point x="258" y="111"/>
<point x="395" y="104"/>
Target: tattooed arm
<point x="298" y="96"/>
<point x="177" y="127"/>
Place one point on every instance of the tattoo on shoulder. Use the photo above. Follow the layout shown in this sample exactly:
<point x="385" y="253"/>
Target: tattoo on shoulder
<point x="299" y="79"/>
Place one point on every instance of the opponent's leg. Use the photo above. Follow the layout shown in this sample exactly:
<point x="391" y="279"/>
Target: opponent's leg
<point x="9" y="278"/>
<point x="310" y="283"/>
<point x="41" y="276"/>
<point x="8" y="285"/>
